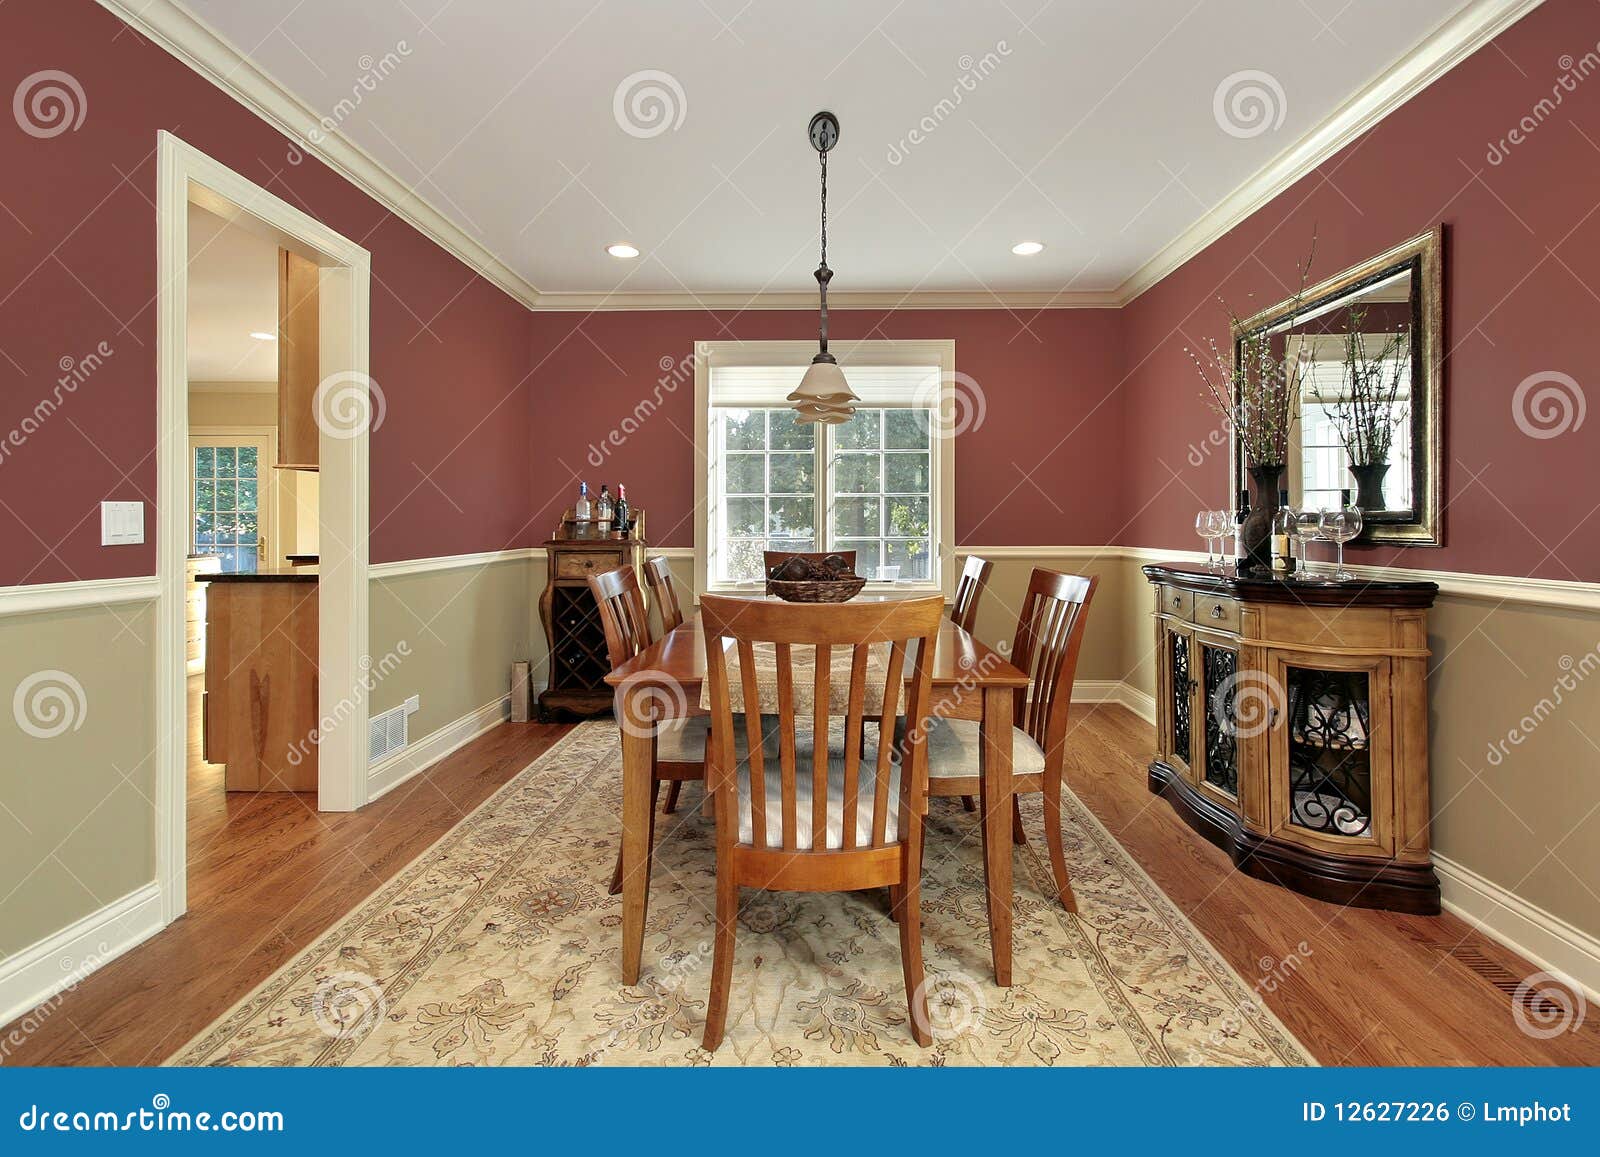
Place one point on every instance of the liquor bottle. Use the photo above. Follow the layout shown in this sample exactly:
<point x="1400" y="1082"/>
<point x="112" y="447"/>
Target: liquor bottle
<point x="584" y="510"/>
<point x="1283" y="537"/>
<point x="602" y="510"/>
<point x="620" y="514"/>
<point x="1240" y="551"/>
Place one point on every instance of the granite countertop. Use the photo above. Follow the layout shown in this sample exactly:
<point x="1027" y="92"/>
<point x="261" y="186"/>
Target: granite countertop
<point x="288" y="574"/>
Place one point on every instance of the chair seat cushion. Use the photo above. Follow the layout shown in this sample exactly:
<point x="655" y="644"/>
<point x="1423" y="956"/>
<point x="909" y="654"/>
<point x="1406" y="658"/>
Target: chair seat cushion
<point x="683" y="740"/>
<point x="772" y="778"/>
<point x="954" y="749"/>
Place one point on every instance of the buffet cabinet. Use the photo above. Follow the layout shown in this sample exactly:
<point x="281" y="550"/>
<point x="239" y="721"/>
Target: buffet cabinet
<point x="1292" y="729"/>
<point x="578" y="660"/>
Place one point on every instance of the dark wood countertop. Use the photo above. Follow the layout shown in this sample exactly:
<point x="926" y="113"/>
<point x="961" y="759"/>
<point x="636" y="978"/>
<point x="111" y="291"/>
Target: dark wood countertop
<point x="1312" y="592"/>
<point x="295" y="574"/>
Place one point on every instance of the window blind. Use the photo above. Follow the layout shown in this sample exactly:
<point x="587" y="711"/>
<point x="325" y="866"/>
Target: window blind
<point x="876" y="386"/>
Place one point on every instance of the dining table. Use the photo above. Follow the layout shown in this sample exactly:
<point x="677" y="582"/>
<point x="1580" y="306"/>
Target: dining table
<point x="667" y="680"/>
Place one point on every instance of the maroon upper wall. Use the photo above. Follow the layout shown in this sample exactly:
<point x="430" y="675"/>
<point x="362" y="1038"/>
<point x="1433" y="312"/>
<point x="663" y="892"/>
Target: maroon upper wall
<point x="1036" y="469"/>
<point x="1522" y="297"/>
<point x="78" y="268"/>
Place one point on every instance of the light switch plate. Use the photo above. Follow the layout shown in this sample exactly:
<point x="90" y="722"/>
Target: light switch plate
<point x="121" y="523"/>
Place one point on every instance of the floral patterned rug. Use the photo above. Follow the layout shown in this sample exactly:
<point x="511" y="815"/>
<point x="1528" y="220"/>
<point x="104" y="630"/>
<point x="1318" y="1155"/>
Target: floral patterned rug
<point x="499" y="946"/>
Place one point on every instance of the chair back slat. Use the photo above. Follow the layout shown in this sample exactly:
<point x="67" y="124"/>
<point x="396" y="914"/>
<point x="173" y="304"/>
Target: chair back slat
<point x="974" y="578"/>
<point x="855" y="711"/>
<point x="789" y="804"/>
<point x="622" y="614"/>
<point x="753" y="737"/>
<point x="1049" y="638"/>
<point x="891" y="642"/>
<point x="886" y="718"/>
<point x="658" y="577"/>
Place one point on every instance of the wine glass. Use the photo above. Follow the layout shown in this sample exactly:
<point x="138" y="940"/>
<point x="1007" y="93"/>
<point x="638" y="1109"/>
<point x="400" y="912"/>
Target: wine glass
<point x="1204" y="527"/>
<point x="1307" y="529"/>
<point x="1341" y="526"/>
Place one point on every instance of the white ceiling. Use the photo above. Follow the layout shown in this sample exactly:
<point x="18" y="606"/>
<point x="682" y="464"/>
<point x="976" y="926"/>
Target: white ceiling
<point x="1093" y="126"/>
<point x="233" y="290"/>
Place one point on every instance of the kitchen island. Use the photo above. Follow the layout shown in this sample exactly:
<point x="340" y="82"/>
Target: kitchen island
<point x="260" y="702"/>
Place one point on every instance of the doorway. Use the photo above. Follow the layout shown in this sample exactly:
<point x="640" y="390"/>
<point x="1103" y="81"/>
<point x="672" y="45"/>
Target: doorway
<point x="214" y="494"/>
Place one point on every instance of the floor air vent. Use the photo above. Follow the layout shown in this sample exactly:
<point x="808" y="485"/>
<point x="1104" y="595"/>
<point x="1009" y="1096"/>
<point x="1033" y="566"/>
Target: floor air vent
<point x="386" y="733"/>
<point x="1499" y="976"/>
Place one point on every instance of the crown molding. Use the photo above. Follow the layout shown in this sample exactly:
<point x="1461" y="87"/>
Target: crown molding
<point x="196" y="44"/>
<point x="1454" y="40"/>
<point x="807" y="300"/>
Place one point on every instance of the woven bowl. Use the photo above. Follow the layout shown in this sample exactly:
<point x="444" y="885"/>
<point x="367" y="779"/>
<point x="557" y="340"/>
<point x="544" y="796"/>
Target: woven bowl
<point x="816" y="590"/>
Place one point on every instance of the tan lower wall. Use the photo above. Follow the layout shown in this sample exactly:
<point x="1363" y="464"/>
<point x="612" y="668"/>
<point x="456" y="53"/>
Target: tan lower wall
<point x="1524" y="818"/>
<point x="463" y="628"/>
<point x="77" y="818"/>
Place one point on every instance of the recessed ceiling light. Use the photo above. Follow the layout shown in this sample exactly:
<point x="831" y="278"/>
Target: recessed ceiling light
<point x="622" y="249"/>
<point x="1027" y="248"/>
<point x="263" y="335"/>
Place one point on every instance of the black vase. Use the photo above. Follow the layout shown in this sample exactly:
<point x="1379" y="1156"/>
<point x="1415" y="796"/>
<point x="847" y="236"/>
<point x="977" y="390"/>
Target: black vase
<point x="1369" y="484"/>
<point x="1255" y="535"/>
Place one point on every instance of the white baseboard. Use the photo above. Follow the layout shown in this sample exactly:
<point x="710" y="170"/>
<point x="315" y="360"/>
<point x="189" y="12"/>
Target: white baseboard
<point x="1543" y="939"/>
<point x="1115" y="691"/>
<point x="385" y="776"/>
<point x="30" y="978"/>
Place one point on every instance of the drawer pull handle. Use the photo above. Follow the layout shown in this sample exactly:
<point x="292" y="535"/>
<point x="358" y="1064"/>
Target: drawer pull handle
<point x="1177" y="600"/>
<point x="1217" y="611"/>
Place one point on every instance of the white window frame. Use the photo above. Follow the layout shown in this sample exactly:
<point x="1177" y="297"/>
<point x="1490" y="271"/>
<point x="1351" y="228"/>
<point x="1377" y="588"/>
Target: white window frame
<point x="942" y="484"/>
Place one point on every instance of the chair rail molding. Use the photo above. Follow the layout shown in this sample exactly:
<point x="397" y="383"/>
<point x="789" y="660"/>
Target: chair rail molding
<point x="23" y="600"/>
<point x="410" y="566"/>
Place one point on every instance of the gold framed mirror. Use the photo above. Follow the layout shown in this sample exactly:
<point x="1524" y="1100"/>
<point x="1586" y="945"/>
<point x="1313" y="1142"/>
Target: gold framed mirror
<point x="1372" y="342"/>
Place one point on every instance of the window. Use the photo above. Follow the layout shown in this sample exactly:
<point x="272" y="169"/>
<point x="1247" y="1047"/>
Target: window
<point x="1318" y="470"/>
<point x="230" y="516"/>
<point x="879" y="484"/>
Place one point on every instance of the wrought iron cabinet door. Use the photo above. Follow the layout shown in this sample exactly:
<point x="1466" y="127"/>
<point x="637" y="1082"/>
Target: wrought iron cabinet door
<point x="1330" y="770"/>
<point x="1176" y="692"/>
<point x="1226" y="719"/>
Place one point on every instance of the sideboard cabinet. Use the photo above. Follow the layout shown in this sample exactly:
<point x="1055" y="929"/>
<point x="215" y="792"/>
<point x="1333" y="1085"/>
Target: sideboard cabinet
<point x="578" y="660"/>
<point x="1292" y="729"/>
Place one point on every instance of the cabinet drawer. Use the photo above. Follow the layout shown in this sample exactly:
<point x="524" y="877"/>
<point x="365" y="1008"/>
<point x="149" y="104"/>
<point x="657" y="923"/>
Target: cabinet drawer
<point x="1176" y="602"/>
<point x="571" y="564"/>
<point x="1217" y="613"/>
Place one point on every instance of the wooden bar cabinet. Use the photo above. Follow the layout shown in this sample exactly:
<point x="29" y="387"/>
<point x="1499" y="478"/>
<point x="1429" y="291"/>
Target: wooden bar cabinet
<point x="1292" y="729"/>
<point x="578" y="661"/>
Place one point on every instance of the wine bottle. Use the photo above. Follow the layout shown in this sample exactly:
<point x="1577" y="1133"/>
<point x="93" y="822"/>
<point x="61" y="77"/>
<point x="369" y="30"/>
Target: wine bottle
<point x="1241" y="554"/>
<point x="619" y="514"/>
<point x="602" y="510"/>
<point x="1283" y="537"/>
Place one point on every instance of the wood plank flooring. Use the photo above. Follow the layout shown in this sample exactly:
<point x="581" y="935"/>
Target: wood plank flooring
<point x="267" y="874"/>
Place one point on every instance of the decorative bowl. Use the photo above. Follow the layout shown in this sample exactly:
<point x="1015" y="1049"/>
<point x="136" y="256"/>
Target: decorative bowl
<point x="817" y="590"/>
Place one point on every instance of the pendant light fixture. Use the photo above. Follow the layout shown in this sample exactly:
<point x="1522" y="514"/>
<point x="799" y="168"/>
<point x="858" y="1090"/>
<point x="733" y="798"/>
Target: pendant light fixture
<point x="823" y="395"/>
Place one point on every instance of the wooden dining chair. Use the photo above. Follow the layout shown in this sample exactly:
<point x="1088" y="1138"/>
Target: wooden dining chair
<point x="680" y="744"/>
<point x="1049" y="637"/>
<point x="658" y="577"/>
<point x="772" y="558"/>
<point x="801" y="805"/>
<point x="974" y="578"/>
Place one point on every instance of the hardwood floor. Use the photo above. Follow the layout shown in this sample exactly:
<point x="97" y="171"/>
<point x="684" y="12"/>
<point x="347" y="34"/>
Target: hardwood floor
<point x="267" y="874"/>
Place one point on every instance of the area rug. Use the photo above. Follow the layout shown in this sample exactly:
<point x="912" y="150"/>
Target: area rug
<point x="500" y="946"/>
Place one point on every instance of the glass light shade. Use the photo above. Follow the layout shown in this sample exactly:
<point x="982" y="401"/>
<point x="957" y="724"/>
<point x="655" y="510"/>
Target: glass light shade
<point x="823" y="382"/>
